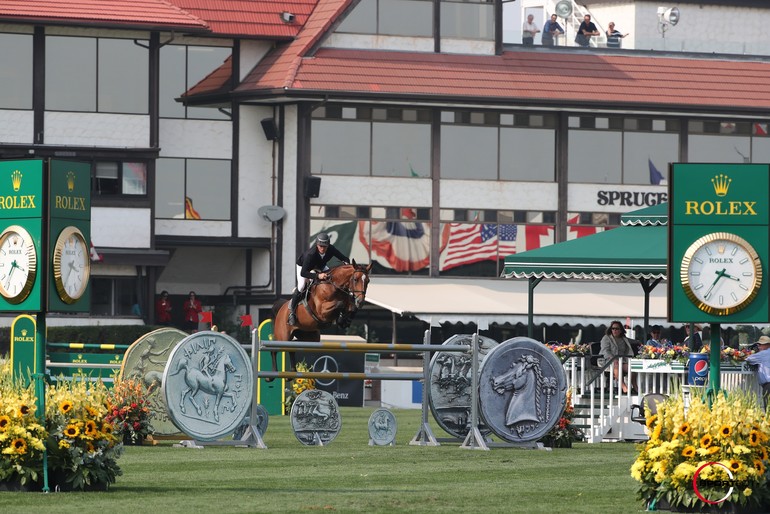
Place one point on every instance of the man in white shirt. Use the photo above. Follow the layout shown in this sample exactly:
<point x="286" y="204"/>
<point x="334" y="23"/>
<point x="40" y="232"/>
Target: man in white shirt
<point x="762" y="360"/>
<point x="528" y="31"/>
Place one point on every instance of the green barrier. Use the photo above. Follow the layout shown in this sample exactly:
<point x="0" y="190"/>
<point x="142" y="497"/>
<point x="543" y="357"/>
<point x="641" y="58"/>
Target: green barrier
<point x="93" y="366"/>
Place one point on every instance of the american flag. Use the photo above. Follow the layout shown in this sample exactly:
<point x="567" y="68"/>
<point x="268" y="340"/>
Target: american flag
<point x="466" y="243"/>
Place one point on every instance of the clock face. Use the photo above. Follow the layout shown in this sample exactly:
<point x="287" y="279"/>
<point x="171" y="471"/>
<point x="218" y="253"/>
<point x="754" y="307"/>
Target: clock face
<point x="18" y="264"/>
<point x="71" y="265"/>
<point x="721" y="273"/>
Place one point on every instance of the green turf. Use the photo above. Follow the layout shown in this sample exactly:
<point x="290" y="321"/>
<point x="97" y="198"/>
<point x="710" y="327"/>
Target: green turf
<point x="348" y="475"/>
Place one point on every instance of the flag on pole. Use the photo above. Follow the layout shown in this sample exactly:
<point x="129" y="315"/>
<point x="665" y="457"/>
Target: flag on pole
<point x="95" y="257"/>
<point x="656" y="177"/>
<point x="206" y="317"/>
<point x="246" y="321"/>
<point x="189" y="211"/>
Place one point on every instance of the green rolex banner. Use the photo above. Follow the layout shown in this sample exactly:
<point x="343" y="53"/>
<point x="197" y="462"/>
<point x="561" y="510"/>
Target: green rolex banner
<point x="24" y="358"/>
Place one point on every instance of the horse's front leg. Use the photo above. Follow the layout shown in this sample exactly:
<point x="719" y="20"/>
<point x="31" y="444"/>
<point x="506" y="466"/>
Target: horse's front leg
<point x="198" y="408"/>
<point x="181" y="400"/>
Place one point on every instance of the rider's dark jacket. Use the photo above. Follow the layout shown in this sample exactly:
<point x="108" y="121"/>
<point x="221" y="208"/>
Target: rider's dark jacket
<point x="313" y="262"/>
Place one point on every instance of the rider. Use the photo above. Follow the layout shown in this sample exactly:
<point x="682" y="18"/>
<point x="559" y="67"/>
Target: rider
<point x="308" y="264"/>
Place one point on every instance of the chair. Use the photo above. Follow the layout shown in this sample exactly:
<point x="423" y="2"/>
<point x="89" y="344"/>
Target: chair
<point x="651" y="400"/>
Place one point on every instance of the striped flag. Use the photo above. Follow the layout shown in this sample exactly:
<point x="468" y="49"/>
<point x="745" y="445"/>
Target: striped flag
<point x="467" y="243"/>
<point x="95" y="257"/>
<point x="189" y="211"/>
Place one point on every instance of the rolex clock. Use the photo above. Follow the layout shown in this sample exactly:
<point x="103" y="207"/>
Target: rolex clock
<point x="71" y="265"/>
<point x="18" y="264"/>
<point x="721" y="273"/>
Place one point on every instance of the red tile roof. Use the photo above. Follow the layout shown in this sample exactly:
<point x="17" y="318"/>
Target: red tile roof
<point x="145" y="14"/>
<point x="537" y="77"/>
<point x="216" y="82"/>
<point x="250" y="18"/>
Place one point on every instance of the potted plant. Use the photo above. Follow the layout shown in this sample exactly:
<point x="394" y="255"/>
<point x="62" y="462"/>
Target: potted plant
<point x="129" y="411"/>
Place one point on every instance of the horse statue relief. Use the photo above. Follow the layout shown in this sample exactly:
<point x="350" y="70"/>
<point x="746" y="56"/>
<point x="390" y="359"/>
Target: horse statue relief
<point x="216" y="384"/>
<point x="334" y="300"/>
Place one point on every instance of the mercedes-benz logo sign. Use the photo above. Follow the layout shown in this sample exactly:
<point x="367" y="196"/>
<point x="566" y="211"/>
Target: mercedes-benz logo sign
<point x="325" y="364"/>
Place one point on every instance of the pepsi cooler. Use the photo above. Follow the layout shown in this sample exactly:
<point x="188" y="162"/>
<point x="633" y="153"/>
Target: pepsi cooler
<point x="698" y="369"/>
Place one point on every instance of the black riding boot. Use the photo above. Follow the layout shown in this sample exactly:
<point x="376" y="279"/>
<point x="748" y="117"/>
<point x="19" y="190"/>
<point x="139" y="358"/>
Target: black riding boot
<point x="293" y="307"/>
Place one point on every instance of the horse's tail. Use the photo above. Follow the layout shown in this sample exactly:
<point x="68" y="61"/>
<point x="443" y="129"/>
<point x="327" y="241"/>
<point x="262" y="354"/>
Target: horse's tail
<point x="277" y="306"/>
<point x="182" y="364"/>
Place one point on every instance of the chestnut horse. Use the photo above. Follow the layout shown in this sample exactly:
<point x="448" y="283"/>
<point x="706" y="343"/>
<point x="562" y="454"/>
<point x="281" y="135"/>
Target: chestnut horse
<point x="334" y="300"/>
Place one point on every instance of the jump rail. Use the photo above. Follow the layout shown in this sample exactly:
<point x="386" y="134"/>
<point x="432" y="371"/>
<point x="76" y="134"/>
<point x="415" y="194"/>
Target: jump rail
<point x="340" y="375"/>
<point x="277" y="346"/>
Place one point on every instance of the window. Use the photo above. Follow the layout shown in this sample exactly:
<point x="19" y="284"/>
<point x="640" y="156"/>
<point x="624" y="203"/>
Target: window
<point x="96" y="75"/>
<point x="192" y="189"/>
<point x="113" y="178"/>
<point x="113" y="296"/>
<point x="719" y="141"/>
<point x="181" y="67"/>
<point x="16" y="71"/>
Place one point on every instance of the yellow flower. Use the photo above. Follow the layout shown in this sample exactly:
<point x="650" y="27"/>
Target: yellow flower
<point x="747" y="491"/>
<point x="107" y="428"/>
<point x="65" y="406"/>
<point x="656" y="433"/>
<point x="23" y="410"/>
<point x="63" y="444"/>
<point x="91" y="411"/>
<point x="734" y="465"/>
<point x="764" y="453"/>
<point x="706" y="441"/>
<point x="684" y="429"/>
<point x="651" y="420"/>
<point x="90" y="428"/>
<point x="71" y="431"/>
<point x="4" y="422"/>
<point x="754" y="438"/>
<point x="726" y="431"/>
<point x="688" y="451"/>
<point x="19" y="445"/>
<point x="759" y="466"/>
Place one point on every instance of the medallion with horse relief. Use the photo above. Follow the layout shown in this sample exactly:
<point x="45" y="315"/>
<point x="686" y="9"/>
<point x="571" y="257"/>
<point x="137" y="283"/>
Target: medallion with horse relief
<point x="522" y="390"/>
<point x="315" y="417"/>
<point x="450" y="385"/>
<point x="382" y="427"/>
<point x="208" y="385"/>
<point x="145" y="361"/>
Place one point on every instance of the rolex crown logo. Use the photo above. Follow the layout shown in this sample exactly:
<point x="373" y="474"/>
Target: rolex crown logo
<point x="23" y="332"/>
<point x="16" y="180"/>
<point x="70" y="181"/>
<point x="721" y="184"/>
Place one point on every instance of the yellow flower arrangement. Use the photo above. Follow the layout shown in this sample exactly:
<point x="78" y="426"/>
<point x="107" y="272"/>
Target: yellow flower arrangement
<point x="22" y="436"/>
<point x="730" y="434"/>
<point x="82" y="448"/>
<point x="298" y="386"/>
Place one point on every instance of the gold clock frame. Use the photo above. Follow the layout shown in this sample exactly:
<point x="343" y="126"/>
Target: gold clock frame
<point x="32" y="272"/>
<point x="684" y="273"/>
<point x="65" y="234"/>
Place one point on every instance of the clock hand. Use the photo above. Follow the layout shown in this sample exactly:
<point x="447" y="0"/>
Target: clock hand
<point x="720" y="274"/>
<point x="8" y="279"/>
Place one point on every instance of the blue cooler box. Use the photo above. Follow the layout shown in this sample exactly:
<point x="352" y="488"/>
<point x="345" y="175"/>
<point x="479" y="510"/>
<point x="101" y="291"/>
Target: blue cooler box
<point x="698" y="369"/>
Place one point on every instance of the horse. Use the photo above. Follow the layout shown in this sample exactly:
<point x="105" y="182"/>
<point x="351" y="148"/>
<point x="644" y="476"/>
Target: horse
<point x="216" y="384"/>
<point x="334" y="300"/>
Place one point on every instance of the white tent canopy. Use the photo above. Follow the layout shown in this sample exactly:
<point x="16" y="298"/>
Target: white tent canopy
<point x="486" y="301"/>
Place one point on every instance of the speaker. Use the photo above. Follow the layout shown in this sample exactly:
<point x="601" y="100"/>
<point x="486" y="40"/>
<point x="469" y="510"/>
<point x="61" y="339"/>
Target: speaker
<point x="270" y="128"/>
<point x="312" y="187"/>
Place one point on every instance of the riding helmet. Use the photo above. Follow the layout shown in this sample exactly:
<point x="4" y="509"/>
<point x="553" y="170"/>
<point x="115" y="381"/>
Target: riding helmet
<point x="322" y="239"/>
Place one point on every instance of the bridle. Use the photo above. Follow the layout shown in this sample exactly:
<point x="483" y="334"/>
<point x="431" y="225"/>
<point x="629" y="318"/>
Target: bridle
<point x="355" y="295"/>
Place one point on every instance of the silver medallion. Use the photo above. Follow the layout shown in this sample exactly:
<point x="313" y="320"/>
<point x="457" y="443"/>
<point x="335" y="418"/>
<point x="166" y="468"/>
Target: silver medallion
<point x="315" y="417"/>
<point x="382" y="427"/>
<point x="450" y="385"/>
<point x="145" y="361"/>
<point x="522" y="390"/>
<point x="260" y="423"/>
<point x="208" y="385"/>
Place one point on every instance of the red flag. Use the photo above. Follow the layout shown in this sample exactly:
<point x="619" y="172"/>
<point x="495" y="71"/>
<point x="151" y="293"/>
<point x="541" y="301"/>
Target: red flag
<point x="189" y="211"/>
<point x="206" y="317"/>
<point x="246" y="321"/>
<point x="95" y="257"/>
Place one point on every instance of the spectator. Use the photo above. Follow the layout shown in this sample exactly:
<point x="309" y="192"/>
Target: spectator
<point x="551" y="29"/>
<point x="528" y="31"/>
<point x="614" y="36"/>
<point x="586" y="30"/>
<point x="655" y="339"/>
<point x="613" y="345"/>
<point x="192" y="309"/>
<point x="694" y="342"/>
<point x="163" y="309"/>
<point x="762" y="360"/>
